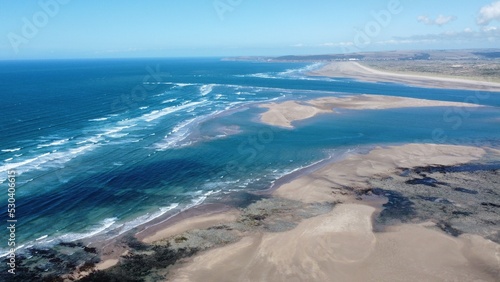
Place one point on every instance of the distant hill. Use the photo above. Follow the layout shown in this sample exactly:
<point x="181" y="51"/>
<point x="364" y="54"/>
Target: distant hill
<point x="474" y="54"/>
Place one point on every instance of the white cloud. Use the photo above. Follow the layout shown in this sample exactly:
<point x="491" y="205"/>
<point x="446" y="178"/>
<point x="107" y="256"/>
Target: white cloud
<point x="337" y="44"/>
<point x="489" y="28"/>
<point x="467" y="35"/>
<point x="489" y="13"/>
<point x="440" y="20"/>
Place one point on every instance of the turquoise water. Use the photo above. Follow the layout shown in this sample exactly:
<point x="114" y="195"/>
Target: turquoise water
<point x="102" y="146"/>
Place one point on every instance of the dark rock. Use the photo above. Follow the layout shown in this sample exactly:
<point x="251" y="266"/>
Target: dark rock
<point x="428" y="181"/>
<point x="397" y="206"/>
<point x="90" y="250"/>
<point x="87" y="266"/>
<point x="464" y="190"/>
<point x="405" y="172"/>
<point x="446" y="227"/>
<point x="220" y="227"/>
<point x="436" y="200"/>
<point x="490" y="204"/>
<point x="71" y="244"/>
<point x="55" y="260"/>
<point x="462" y="213"/>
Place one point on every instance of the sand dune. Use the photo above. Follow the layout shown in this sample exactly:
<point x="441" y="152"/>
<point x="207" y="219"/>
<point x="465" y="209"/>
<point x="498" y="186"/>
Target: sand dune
<point x="341" y="246"/>
<point x="358" y="71"/>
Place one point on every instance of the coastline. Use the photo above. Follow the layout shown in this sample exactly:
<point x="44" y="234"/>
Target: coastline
<point x="198" y="217"/>
<point x="340" y="242"/>
<point x="329" y="220"/>
<point x="326" y="193"/>
<point x="360" y="72"/>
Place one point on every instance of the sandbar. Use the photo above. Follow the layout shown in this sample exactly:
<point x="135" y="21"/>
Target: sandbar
<point x="284" y="113"/>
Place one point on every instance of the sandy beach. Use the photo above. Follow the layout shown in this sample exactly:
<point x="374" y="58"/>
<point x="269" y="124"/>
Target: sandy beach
<point x="357" y="71"/>
<point x="341" y="246"/>
<point x="285" y="113"/>
<point x="201" y="221"/>
<point x="338" y="244"/>
<point x="326" y="184"/>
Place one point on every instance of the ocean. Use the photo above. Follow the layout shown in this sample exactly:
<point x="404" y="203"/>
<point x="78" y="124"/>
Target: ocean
<point x="101" y="146"/>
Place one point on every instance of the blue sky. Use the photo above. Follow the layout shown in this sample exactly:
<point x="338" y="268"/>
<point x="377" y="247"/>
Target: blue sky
<point x="99" y="29"/>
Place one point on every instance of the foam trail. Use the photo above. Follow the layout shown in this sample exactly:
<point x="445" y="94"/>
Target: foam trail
<point x="42" y="237"/>
<point x="145" y="218"/>
<point x="169" y="101"/>
<point x="180" y="133"/>
<point x="54" y="143"/>
<point x="99" y="119"/>
<point x="11" y="150"/>
<point x="206" y="89"/>
<point x="51" y="158"/>
<point x="69" y="237"/>
<point x="184" y="84"/>
<point x="105" y="224"/>
<point x="160" y="113"/>
<point x="301" y="71"/>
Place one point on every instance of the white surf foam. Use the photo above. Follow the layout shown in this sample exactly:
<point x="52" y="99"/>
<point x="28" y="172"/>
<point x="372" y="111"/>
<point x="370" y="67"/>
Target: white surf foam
<point x="99" y="119"/>
<point x="46" y="160"/>
<point x="42" y="237"/>
<point x="169" y="101"/>
<point x="100" y="228"/>
<point x="53" y="143"/>
<point x="145" y="218"/>
<point x="178" y="136"/>
<point x="298" y="73"/>
<point x="184" y="84"/>
<point x="199" y="200"/>
<point x="115" y="130"/>
<point x="206" y="89"/>
<point x="11" y="150"/>
<point x="156" y="114"/>
<point x="301" y="71"/>
<point x="45" y="240"/>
